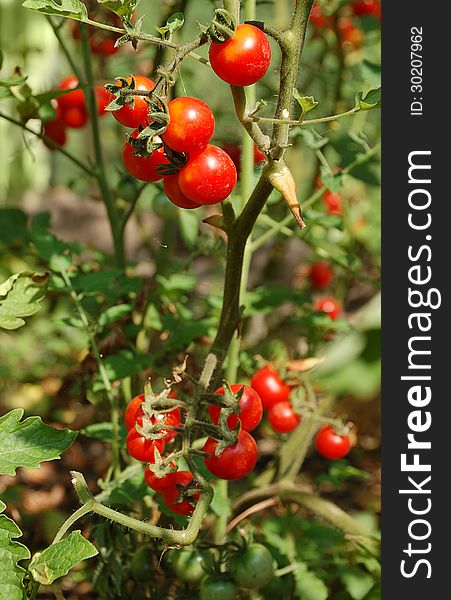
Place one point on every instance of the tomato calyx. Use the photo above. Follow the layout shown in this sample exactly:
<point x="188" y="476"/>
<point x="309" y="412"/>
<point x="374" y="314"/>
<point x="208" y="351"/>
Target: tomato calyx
<point x="124" y="93"/>
<point x="222" y="27"/>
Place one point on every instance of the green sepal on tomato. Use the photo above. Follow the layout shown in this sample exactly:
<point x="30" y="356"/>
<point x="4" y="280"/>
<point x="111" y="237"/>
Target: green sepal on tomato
<point x="251" y="409"/>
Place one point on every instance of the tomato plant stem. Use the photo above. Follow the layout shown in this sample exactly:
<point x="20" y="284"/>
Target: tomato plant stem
<point x="100" y="172"/>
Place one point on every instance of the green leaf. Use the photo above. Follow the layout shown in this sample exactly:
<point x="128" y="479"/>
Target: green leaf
<point x="131" y="490"/>
<point x="371" y="100"/>
<point x="30" y="442"/>
<point x="308" y="585"/>
<point x="58" y="559"/>
<point x="307" y="103"/>
<point x="123" y="8"/>
<point x="220" y="504"/>
<point x="11" y="552"/>
<point x="20" y="296"/>
<point x="174" y="23"/>
<point x="113" y="314"/>
<point x="357" y="582"/>
<point x="73" y="9"/>
<point x="104" y="432"/>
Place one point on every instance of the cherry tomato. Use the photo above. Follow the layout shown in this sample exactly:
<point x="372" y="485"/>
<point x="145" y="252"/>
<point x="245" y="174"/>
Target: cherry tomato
<point x="141" y="448"/>
<point x="172" y="493"/>
<point x="159" y="484"/>
<point x="333" y="203"/>
<point x="318" y="19"/>
<point x="253" y="568"/>
<point x="134" y="415"/>
<point x="141" y="564"/>
<point x="145" y="168"/>
<point x="235" y="461"/>
<point x="75" y="99"/>
<point x="56" y="131"/>
<point x="175" y="194"/>
<point x="234" y="151"/>
<point x="328" y="305"/>
<point x="187" y="565"/>
<point x="350" y="34"/>
<point x="250" y="404"/>
<point x="208" y="177"/>
<point x="163" y="207"/>
<point x="268" y="385"/>
<point x="135" y="113"/>
<point x="104" y="47"/>
<point x="75" y="117"/>
<point x="282" y="417"/>
<point x="191" y="125"/>
<point x="320" y="274"/>
<point x="244" y="59"/>
<point x="103" y="98"/>
<point x="331" y="445"/>
<point x="367" y="8"/>
<point x="217" y="589"/>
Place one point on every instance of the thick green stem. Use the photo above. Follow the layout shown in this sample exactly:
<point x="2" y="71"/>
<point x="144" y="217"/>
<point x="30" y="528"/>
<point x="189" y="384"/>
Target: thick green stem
<point x="100" y="172"/>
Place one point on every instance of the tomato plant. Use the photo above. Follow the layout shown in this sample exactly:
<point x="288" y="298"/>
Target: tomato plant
<point x="261" y="116"/>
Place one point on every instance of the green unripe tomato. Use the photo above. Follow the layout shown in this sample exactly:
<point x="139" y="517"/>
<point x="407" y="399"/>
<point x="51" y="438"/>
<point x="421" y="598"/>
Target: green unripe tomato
<point x="140" y="565"/>
<point x="127" y="188"/>
<point x="252" y="568"/>
<point x="217" y="589"/>
<point x="187" y="565"/>
<point x="164" y="208"/>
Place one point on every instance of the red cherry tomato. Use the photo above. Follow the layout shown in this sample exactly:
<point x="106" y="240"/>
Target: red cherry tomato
<point x="208" y="177"/>
<point x="158" y="484"/>
<point x="321" y="274"/>
<point x="282" y="417"/>
<point x="103" y="98"/>
<point x="350" y="34"/>
<point x="333" y="203"/>
<point x="328" y="305"/>
<point x="135" y="114"/>
<point x="172" y="493"/>
<point x="318" y="19"/>
<point x="268" y="385"/>
<point x="75" y="99"/>
<point x="250" y="404"/>
<point x="174" y="193"/>
<point x="259" y="156"/>
<point x="331" y="445"/>
<point x="141" y="448"/>
<point x="367" y="8"/>
<point x="104" y="47"/>
<point x="74" y="117"/>
<point x="134" y="415"/>
<point x="191" y="125"/>
<point x="235" y="461"/>
<point x="145" y="168"/>
<point x="56" y="131"/>
<point x="244" y="59"/>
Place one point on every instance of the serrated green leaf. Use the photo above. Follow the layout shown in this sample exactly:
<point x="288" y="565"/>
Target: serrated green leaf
<point x="73" y="9"/>
<point x="308" y="585"/>
<point x="307" y="103"/>
<point x="58" y="559"/>
<point x="28" y="443"/>
<point x="11" y="552"/>
<point x="20" y="296"/>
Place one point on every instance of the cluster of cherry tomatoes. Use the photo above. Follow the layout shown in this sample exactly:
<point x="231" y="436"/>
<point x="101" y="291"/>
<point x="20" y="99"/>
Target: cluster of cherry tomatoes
<point x="101" y="41"/>
<point x="321" y="276"/>
<point x="71" y="110"/>
<point x="275" y="397"/>
<point x="207" y="175"/>
<point x="350" y="34"/>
